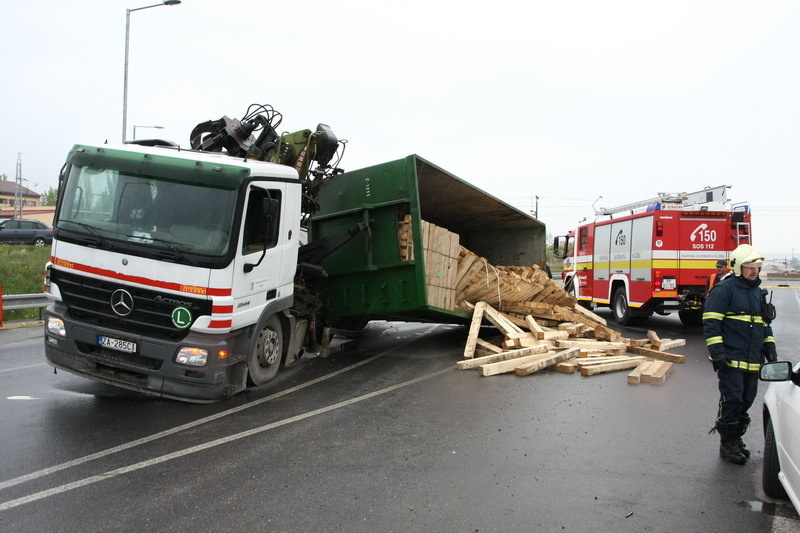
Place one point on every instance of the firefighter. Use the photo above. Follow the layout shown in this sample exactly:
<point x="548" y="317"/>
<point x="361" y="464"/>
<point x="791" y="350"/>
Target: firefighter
<point x="739" y="338"/>
<point x="717" y="276"/>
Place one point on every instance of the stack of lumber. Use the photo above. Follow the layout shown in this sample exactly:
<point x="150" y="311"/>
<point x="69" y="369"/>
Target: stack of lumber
<point x="542" y="325"/>
<point x="454" y="274"/>
<point x="563" y="339"/>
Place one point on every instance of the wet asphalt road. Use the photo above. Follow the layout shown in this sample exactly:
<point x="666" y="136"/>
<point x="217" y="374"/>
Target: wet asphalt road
<point x="386" y="436"/>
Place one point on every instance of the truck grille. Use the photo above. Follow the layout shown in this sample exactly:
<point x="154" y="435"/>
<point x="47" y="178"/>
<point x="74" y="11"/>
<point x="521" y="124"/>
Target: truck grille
<point x="90" y="300"/>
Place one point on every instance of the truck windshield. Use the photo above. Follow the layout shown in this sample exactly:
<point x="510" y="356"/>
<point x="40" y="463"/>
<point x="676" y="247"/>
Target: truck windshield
<point x="113" y="206"/>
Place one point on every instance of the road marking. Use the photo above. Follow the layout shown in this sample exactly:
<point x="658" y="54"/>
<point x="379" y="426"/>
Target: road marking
<point x="212" y="444"/>
<point x="201" y="421"/>
<point x="22" y="367"/>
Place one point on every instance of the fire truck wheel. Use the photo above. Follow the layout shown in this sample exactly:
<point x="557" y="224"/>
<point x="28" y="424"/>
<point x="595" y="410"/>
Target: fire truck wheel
<point x="265" y="356"/>
<point x="620" y="307"/>
<point x="691" y="318"/>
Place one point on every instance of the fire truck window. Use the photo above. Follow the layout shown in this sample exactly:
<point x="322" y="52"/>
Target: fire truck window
<point x="584" y="234"/>
<point x="259" y="227"/>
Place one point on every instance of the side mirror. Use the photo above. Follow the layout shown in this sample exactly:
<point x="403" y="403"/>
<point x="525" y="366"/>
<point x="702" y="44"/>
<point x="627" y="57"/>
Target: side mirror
<point x="777" y="371"/>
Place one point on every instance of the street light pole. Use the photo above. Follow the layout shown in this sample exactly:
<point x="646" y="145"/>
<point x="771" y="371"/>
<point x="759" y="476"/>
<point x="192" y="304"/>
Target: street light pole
<point x="127" y="46"/>
<point x="153" y="127"/>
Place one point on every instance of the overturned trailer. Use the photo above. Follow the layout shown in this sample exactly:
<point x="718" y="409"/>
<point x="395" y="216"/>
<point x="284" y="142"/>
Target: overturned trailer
<point x="421" y="219"/>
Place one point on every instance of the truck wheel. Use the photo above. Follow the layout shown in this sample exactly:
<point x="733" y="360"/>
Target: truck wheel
<point x="769" y="475"/>
<point x="620" y="307"/>
<point x="265" y="356"/>
<point x="691" y="318"/>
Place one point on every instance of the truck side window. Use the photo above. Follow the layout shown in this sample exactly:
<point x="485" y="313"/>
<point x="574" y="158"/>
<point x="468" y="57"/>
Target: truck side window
<point x="259" y="227"/>
<point x="584" y="239"/>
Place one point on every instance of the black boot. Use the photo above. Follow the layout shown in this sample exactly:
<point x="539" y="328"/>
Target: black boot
<point x="741" y="429"/>
<point x="729" y="445"/>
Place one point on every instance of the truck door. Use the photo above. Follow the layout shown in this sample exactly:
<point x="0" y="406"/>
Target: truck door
<point x="602" y="265"/>
<point x="267" y="251"/>
<point x="621" y="248"/>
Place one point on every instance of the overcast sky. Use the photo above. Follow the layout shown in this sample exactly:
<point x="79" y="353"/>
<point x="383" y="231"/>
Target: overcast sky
<point x="565" y="100"/>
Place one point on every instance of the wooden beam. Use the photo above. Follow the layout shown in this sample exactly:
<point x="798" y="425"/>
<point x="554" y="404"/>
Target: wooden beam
<point x="557" y="357"/>
<point x="656" y="373"/>
<point x="591" y="370"/>
<point x="510" y="365"/>
<point x="667" y="344"/>
<point x="474" y="329"/>
<point x="504" y="356"/>
<point x="635" y="376"/>
<point x="655" y="354"/>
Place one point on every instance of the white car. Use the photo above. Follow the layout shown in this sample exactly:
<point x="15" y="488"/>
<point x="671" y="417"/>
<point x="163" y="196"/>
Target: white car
<point x="781" y="475"/>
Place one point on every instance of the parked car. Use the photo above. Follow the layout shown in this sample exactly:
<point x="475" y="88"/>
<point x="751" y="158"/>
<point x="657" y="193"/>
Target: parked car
<point x="21" y="231"/>
<point x="781" y="474"/>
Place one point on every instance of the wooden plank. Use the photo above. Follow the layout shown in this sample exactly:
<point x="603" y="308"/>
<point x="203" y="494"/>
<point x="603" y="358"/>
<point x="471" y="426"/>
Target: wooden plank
<point x="667" y="344"/>
<point x="500" y="321"/>
<point x="522" y="342"/>
<point x="589" y="361"/>
<point x="635" y="376"/>
<point x="510" y="365"/>
<point x="557" y="357"/>
<point x="504" y="356"/>
<point x="591" y="370"/>
<point x="591" y="344"/>
<point x="553" y="335"/>
<point x="534" y="326"/>
<point x="565" y="367"/>
<point x="660" y="375"/>
<point x="486" y="345"/>
<point x="655" y="354"/>
<point x="581" y="310"/>
<point x="474" y="329"/>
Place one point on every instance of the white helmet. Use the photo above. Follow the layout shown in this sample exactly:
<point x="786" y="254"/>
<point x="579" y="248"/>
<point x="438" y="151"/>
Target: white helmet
<point x="745" y="255"/>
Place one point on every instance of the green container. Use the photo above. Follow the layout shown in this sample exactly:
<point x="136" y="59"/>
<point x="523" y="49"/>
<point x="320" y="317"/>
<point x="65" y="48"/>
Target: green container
<point x="368" y="279"/>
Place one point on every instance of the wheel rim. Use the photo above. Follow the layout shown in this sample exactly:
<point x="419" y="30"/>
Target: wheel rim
<point x="619" y="306"/>
<point x="269" y="349"/>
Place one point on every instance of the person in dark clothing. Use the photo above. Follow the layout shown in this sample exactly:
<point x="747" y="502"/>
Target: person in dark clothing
<point x="717" y="276"/>
<point x="738" y="339"/>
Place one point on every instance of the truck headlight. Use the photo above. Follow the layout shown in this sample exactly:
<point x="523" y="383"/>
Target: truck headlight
<point x="56" y="326"/>
<point x="192" y="356"/>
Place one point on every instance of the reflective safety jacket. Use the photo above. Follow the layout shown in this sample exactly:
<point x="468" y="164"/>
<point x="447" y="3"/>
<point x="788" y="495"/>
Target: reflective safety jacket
<point x="733" y="324"/>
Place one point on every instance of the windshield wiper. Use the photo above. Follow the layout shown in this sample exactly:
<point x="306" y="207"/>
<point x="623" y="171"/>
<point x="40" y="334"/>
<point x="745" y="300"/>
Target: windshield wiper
<point x="97" y="240"/>
<point x="175" y="253"/>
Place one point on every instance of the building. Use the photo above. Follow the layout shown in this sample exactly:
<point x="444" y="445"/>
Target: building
<point x="32" y="207"/>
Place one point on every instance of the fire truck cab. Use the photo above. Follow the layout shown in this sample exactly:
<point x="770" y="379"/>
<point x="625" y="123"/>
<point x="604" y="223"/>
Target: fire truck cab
<point x="653" y="256"/>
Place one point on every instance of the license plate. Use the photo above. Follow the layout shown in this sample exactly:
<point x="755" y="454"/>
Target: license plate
<point x="116" y="344"/>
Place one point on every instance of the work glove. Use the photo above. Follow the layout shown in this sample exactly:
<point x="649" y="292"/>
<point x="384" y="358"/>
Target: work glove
<point x="770" y="353"/>
<point x="720" y="361"/>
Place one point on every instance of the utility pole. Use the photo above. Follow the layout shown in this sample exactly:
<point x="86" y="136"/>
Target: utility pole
<point x="18" y="191"/>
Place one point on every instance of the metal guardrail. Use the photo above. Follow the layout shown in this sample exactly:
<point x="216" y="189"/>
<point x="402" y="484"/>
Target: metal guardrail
<point x="13" y="302"/>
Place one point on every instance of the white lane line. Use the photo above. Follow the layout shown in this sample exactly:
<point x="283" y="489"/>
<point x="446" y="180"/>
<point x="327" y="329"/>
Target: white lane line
<point x="201" y="421"/>
<point x="214" y="443"/>
<point x="13" y="369"/>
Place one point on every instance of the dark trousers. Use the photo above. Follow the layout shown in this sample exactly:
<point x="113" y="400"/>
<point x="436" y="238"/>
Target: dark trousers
<point x="737" y="392"/>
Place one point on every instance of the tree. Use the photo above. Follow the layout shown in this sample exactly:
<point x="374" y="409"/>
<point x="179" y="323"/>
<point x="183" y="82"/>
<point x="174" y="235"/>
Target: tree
<point x="49" y="197"/>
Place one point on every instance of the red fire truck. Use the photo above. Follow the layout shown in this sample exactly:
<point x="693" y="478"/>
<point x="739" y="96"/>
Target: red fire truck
<point x="653" y="256"/>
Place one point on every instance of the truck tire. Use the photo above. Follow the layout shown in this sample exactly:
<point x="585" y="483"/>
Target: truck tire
<point x="620" y="307"/>
<point x="623" y="315"/>
<point x="266" y="353"/>
<point x="691" y="318"/>
<point x="769" y="475"/>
